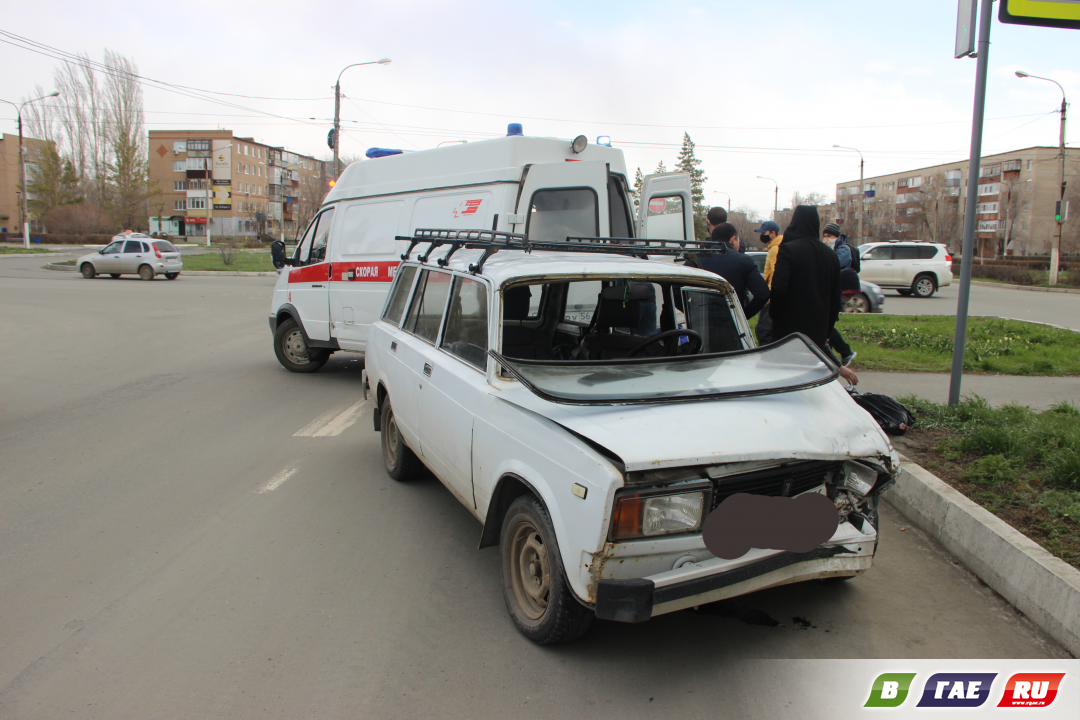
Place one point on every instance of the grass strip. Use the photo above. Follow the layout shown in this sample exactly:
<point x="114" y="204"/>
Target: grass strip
<point x="1021" y="464"/>
<point x="242" y="262"/>
<point x="22" y="251"/>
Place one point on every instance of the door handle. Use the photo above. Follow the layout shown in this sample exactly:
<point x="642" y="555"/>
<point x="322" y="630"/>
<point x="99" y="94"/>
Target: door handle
<point x="427" y="369"/>
<point x="393" y="346"/>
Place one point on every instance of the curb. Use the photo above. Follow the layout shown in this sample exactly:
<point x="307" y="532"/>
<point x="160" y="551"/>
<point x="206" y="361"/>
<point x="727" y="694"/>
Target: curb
<point x="45" y="254"/>
<point x="1043" y="587"/>
<point x="61" y="268"/>
<point x="1029" y="288"/>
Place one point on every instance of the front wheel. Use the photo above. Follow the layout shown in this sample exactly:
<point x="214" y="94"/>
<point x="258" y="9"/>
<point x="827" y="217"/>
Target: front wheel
<point x="293" y="352"/>
<point x="923" y="286"/>
<point x="146" y="272"/>
<point x="535" y="588"/>
<point x="857" y="304"/>
<point x="88" y="271"/>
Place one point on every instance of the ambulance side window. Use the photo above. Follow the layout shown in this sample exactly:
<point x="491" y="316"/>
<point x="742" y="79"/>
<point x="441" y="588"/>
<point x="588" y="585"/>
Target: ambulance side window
<point x="322" y="236"/>
<point x="303" y="249"/>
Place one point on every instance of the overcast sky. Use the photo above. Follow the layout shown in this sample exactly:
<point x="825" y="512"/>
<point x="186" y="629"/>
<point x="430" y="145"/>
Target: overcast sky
<point x="764" y="87"/>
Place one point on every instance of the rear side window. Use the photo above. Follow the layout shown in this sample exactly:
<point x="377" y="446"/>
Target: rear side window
<point x="928" y="252"/>
<point x="164" y="246"/>
<point x="467" y="322"/>
<point x="905" y="252"/>
<point x="559" y="214"/>
<point x="429" y="301"/>
<point x="133" y="246"/>
<point x="399" y="295"/>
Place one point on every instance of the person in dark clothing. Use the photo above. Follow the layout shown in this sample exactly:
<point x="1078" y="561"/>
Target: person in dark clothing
<point x="849" y="285"/>
<point x="806" y="284"/>
<point x="738" y="269"/>
<point x="832" y="237"/>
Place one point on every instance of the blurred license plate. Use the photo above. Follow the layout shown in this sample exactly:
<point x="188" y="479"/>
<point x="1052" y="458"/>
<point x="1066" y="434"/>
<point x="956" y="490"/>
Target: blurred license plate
<point x="581" y="318"/>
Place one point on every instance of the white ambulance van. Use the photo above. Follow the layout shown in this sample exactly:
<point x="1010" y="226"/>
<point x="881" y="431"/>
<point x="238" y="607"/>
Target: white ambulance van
<point x="335" y="284"/>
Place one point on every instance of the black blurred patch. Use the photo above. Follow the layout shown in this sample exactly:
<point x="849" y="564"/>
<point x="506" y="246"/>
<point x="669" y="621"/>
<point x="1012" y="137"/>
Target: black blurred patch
<point x="738" y="610"/>
<point x="744" y="521"/>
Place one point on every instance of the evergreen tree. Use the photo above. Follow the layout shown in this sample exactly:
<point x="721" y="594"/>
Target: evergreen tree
<point x="52" y="182"/>
<point x="688" y="163"/>
<point x="660" y="168"/>
<point x="636" y="192"/>
<point x="128" y="187"/>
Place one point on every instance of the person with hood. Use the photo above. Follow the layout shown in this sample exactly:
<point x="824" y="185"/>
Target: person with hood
<point x="806" y="283"/>
<point x="738" y="269"/>
<point x="832" y="237"/>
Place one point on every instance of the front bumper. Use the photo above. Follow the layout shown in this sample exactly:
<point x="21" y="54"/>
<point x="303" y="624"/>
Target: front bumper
<point x="849" y="552"/>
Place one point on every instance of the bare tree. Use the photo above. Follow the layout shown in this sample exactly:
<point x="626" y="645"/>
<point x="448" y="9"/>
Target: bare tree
<point x="746" y="220"/>
<point x="936" y="211"/>
<point x="1015" y="196"/>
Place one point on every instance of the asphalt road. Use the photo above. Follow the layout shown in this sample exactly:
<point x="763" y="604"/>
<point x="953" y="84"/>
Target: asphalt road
<point x="188" y="530"/>
<point x="1055" y="308"/>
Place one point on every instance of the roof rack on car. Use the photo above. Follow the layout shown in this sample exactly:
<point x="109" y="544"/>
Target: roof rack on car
<point x="491" y="241"/>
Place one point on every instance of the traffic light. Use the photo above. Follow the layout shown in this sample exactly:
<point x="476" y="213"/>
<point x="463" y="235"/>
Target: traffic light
<point x="331" y="139"/>
<point x="1061" y="211"/>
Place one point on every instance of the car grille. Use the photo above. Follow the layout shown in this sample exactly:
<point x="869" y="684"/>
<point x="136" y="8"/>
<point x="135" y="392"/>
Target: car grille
<point x="786" y="480"/>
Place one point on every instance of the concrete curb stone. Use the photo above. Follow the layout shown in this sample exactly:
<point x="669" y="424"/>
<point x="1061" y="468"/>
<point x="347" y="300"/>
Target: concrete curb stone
<point x="1043" y="587"/>
<point x="61" y="268"/>
<point x="44" y="254"/>
<point x="1032" y="288"/>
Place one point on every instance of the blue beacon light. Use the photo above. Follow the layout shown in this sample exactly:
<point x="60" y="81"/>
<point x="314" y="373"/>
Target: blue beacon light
<point x="514" y="130"/>
<point x="604" y="140"/>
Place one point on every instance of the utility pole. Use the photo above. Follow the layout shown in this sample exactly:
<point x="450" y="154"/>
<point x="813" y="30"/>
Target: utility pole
<point x="862" y="188"/>
<point x="776" y="196"/>
<point x="337" y="108"/>
<point x="24" y="215"/>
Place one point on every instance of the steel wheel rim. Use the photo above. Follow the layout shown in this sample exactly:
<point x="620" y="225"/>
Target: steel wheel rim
<point x="295" y="348"/>
<point x="390" y="440"/>
<point x="924" y="287"/>
<point x="530" y="570"/>
<point x="145" y="273"/>
<point x="88" y="270"/>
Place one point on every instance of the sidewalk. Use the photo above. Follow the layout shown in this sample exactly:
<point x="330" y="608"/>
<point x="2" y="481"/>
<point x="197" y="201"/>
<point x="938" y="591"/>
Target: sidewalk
<point x="1036" y="392"/>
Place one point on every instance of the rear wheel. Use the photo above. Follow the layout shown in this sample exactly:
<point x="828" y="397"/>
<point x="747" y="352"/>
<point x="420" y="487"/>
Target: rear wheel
<point x="401" y="462"/>
<point x="172" y="276"/>
<point x="535" y="588"/>
<point x="146" y="272"/>
<point x="924" y="286"/>
<point x="857" y="304"/>
<point x="87" y="271"/>
<point x="292" y="350"/>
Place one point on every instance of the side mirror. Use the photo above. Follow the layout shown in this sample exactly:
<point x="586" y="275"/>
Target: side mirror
<point x="277" y="255"/>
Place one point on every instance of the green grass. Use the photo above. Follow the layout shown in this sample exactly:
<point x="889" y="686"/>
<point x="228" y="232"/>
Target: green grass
<point x="5" y="250"/>
<point x="242" y="262"/>
<point x="912" y="343"/>
<point x="1021" y="464"/>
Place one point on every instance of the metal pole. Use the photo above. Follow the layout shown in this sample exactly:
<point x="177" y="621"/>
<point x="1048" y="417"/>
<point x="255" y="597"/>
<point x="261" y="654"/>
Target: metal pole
<point x="1055" y="248"/>
<point x="23" y="215"/>
<point x="862" y="196"/>
<point x="337" y="122"/>
<point x="972" y="197"/>
<point x="775" y="201"/>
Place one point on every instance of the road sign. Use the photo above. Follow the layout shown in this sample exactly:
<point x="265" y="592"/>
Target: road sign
<point x="966" y="11"/>
<point x="1047" y="13"/>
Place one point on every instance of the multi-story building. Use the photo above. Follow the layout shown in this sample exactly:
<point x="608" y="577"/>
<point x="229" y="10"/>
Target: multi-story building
<point x="9" y="178"/>
<point x="1016" y="202"/>
<point x="239" y="185"/>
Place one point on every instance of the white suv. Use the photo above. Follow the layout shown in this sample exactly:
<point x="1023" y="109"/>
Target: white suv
<point x="592" y="409"/>
<point x="910" y="268"/>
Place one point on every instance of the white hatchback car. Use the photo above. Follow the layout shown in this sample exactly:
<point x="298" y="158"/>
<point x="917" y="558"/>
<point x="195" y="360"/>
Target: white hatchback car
<point x="591" y="408"/>
<point x="910" y="268"/>
<point x="133" y="254"/>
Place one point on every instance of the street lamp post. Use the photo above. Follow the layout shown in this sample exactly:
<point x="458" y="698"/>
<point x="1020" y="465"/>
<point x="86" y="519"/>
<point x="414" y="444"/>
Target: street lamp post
<point x="721" y="192"/>
<point x="862" y="188"/>
<point x="776" y="196"/>
<point x="1055" y="245"/>
<point x="23" y="215"/>
<point x="337" y="107"/>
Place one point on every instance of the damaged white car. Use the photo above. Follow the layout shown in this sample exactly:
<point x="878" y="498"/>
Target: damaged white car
<point x="592" y="407"/>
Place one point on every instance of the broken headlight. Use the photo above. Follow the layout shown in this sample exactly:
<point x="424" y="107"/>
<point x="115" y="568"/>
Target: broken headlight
<point x="858" y="478"/>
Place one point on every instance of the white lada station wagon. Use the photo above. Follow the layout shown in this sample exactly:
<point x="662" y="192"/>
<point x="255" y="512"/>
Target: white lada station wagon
<point x="591" y="406"/>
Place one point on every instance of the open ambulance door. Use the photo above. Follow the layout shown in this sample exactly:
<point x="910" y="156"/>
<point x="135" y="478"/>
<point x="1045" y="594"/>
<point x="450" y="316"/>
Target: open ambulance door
<point x="560" y="200"/>
<point x="666" y="209"/>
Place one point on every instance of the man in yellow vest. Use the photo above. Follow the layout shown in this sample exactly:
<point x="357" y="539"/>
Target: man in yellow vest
<point x="771" y="239"/>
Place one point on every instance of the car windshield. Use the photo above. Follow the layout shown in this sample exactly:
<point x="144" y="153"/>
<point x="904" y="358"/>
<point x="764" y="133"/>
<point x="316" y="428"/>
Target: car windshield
<point x="793" y="363"/>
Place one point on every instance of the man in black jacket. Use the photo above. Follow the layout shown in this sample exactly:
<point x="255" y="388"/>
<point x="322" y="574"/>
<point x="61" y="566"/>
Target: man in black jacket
<point x="738" y="269"/>
<point x="806" y="284"/>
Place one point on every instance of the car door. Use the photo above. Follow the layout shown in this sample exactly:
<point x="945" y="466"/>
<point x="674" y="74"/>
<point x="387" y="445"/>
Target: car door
<point x="877" y="265"/>
<point x="906" y="264"/>
<point x="560" y="200"/>
<point x="396" y="348"/>
<point x="108" y="261"/>
<point x="455" y="377"/>
<point x="665" y="207"/>
<point x="309" y="281"/>
<point x="133" y="256"/>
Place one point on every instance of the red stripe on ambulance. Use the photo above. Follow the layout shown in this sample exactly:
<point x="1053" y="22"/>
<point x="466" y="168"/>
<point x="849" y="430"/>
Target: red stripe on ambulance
<point x="310" y="273"/>
<point x="365" y="272"/>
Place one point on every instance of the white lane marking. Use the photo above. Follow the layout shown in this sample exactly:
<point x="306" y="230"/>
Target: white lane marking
<point x="312" y="427"/>
<point x="342" y="421"/>
<point x="280" y="478"/>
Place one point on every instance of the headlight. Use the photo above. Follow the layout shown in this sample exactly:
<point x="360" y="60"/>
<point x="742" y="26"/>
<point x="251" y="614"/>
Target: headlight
<point x="858" y="478"/>
<point x="641" y="515"/>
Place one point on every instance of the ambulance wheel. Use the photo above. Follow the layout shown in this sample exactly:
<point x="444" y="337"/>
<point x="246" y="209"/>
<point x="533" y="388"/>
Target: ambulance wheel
<point x="401" y="462"/>
<point x="535" y="587"/>
<point x="292" y="351"/>
<point x="88" y="271"/>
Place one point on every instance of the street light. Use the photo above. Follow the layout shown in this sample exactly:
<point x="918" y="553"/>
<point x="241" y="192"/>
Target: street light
<point x="721" y="192"/>
<point x="862" y="188"/>
<point x="23" y="216"/>
<point x="1055" y="245"/>
<point x="776" y="195"/>
<point x="337" y="107"/>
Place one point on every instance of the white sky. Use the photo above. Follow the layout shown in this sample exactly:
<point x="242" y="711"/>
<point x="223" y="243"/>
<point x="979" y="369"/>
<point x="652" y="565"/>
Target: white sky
<point x="764" y="87"/>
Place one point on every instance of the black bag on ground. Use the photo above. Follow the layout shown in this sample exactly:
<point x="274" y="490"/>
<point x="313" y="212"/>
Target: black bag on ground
<point x="892" y="416"/>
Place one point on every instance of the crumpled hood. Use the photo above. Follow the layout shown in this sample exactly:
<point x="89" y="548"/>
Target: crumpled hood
<point x="821" y="423"/>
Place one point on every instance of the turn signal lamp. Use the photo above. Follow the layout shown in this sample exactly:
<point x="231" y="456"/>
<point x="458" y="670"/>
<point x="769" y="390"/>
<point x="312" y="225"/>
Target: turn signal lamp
<point x="333" y="183"/>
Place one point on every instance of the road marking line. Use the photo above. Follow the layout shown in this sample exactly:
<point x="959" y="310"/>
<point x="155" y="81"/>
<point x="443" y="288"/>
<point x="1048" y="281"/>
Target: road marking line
<point x="312" y="427"/>
<point x="280" y="478"/>
<point x="343" y="421"/>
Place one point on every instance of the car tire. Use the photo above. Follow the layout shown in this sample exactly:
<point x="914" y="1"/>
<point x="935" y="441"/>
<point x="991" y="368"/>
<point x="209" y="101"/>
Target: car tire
<point x="858" y="303"/>
<point x="87" y="271"/>
<point x="401" y="462"/>
<point x="146" y="272"/>
<point x="905" y="293"/>
<point x="292" y="350"/>
<point x="535" y="588"/>
<point x="172" y="276"/>
<point x="114" y="275"/>
<point x="924" y="286"/>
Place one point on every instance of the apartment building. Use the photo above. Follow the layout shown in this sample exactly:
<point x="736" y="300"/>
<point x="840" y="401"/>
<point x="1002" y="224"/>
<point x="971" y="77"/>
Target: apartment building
<point x="236" y="184"/>
<point x="1016" y="202"/>
<point x="9" y="178"/>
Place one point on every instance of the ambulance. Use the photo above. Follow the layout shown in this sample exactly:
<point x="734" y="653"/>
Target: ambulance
<point x="334" y="285"/>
